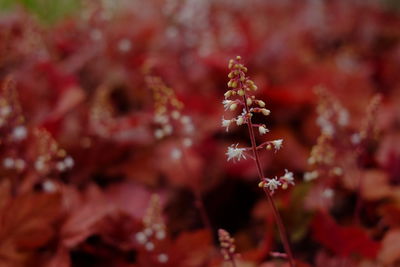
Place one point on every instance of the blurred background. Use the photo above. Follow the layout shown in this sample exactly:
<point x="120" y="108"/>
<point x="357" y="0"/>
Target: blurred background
<point x="112" y="151"/>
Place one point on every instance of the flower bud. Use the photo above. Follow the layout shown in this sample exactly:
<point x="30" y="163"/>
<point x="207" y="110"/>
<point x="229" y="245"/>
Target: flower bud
<point x="265" y="111"/>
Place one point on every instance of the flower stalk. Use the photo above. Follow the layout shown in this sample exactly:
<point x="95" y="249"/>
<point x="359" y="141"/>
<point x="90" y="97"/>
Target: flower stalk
<point x="240" y="95"/>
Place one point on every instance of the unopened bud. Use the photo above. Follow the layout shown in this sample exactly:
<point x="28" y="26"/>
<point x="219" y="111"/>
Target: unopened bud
<point x="261" y="103"/>
<point x="265" y="111"/>
<point x="249" y="101"/>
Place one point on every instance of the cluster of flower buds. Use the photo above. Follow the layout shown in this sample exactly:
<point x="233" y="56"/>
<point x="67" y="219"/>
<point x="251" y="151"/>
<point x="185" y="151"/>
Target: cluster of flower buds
<point x="154" y="229"/>
<point x="368" y="129"/>
<point x="322" y="158"/>
<point x="50" y="156"/>
<point x="241" y="94"/>
<point x="12" y="126"/>
<point x="227" y="244"/>
<point x="101" y="112"/>
<point x="168" y="112"/>
<point x="333" y="120"/>
<point x="274" y="183"/>
<point x="332" y="116"/>
<point x="12" y="122"/>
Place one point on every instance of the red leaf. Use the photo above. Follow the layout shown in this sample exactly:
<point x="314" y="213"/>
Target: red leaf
<point x="85" y="214"/>
<point x="343" y="240"/>
<point x="26" y="224"/>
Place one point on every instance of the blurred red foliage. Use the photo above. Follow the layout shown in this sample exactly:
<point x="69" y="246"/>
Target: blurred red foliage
<point x="80" y="161"/>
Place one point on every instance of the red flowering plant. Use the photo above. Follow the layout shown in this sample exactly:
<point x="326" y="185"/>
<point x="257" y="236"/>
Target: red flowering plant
<point x="81" y="154"/>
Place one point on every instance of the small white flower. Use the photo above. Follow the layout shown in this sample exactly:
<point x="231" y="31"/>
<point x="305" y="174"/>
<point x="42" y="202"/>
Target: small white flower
<point x="162" y="119"/>
<point x="168" y="129"/>
<point x="235" y="153"/>
<point x="187" y="142"/>
<point x="5" y="111"/>
<point x="309" y="176"/>
<point x="40" y="164"/>
<point x="186" y="119"/>
<point x="148" y="231"/>
<point x="141" y="238"/>
<point x="162" y="258"/>
<point x="277" y="144"/>
<point x="272" y="184"/>
<point x="60" y="166"/>
<point x="176" y="154"/>
<point x="239" y="120"/>
<point x="20" y="164"/>
<point x="124" y="45"/>
<point x="355" y="139"/>
<point x="69" y="162"/>
<point x="343" y="117"/>
<point x="227" y="104"/>
<point x="226" y="123"/>
<point x="262" y="130"/>
<point x="96" y="35"/>
<point x="328" y="193"/>
<point x="19" y="133"/>
<point x="149" y="246"/>
<point x="288" y="177"/>
<point x="160" y="235"/>
<point x="8" y="163"/>
<point x="49" y="186"/>
<point x="175" y="114"/>
<point x="189" y="128"/>
<point x="158" y="134"/>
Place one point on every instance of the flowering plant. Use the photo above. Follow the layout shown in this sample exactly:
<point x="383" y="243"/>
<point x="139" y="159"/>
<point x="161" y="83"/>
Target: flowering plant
<point x="241" y="94"/>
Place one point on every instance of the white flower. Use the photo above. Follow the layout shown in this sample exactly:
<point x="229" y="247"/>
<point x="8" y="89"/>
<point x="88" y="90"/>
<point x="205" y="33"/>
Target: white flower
<point x="187" y="142"/>
<point x="176" y="154"/>
<point x="309" y="176"/>
<point x="19" y="133"/>
<point x="239" y="120"/>
<point x="277" y="144"/>
<point x="262" y="130"/>
<point x="124" y="45"/>
<point x="149" y="246"/>
<point x="158" y="134"/>
<point x="343" y="117"/>
<point x="328" y="193"/>
<point x="272" y="184"/>
<point x="162" y="258"/>
<point x="235" y="153"/>
<point x="141" y="238"/>
<point x="8" y="163"/>
<point x="226" y="123"/>
<point x="69" y="162"/>
<point x="49" y="186"/>
<point x="227" y="104"/>
<point x="186" y="120"/>
<point x="288" y="177"/>
<point x="175" y="114"/>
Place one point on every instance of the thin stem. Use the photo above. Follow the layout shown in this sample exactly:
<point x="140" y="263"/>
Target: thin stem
<point x="359" y="202"/>
<point x="232" y="260"/>
<point x="199" y="203"/>
<point x="281" y="227"/>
